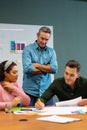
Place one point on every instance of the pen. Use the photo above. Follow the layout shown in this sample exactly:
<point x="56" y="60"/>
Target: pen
<point x="20" y="104"/>
<point x="27" y="109"/>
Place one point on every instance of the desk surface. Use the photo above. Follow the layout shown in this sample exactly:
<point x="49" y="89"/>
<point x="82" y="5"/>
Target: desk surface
<point x="10" y="121"/>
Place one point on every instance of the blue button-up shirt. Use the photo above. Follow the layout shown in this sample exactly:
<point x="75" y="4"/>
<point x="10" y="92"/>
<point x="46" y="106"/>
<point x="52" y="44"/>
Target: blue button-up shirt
<point x="36" y="84"/>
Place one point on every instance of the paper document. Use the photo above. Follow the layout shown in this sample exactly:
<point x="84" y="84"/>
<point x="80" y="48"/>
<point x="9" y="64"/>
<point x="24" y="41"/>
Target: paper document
<point x="58" y="119"/>
<point x="63" y="110"/>
<point x="73" y="102"/>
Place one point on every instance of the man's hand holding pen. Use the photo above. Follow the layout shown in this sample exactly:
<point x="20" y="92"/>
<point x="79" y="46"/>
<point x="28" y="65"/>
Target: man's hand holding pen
<point x="39" y="105"/>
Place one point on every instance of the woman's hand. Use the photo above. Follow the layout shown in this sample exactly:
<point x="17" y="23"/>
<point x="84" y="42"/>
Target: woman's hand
<point x="16" y="101"/>
<point x="7" y="86"/>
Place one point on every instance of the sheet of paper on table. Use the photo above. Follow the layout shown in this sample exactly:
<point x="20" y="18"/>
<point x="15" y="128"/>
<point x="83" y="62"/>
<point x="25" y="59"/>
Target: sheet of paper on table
<point x="58" y="119"/>
<point x="63" y="110"/>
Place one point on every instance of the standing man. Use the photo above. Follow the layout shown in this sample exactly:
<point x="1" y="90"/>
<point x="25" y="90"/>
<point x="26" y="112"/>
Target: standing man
<point x="39" y="62"/>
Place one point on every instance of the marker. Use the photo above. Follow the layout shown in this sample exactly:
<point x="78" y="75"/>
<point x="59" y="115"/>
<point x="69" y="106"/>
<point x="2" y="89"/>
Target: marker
<point x="29" y="109"/>
<point x="39" y="100"/>
<point x="20" y="104"/>
<point x="26" y="109"/>
<point x="78" y="112"/>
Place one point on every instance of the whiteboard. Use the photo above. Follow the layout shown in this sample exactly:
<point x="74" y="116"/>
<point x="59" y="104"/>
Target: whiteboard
<point x="19" y="35"/>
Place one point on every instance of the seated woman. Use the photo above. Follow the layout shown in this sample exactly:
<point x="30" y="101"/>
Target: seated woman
<point x="11" y="93"/>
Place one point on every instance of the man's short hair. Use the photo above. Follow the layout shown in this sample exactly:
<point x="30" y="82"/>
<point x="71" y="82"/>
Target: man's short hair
<point x="45" y="29"/>
<point x="73" y="64"/>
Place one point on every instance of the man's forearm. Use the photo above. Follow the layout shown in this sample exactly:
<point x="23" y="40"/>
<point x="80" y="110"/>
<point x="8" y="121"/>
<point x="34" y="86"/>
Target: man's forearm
<point x="36" y="71"/>
<point x="44" y="68"/>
